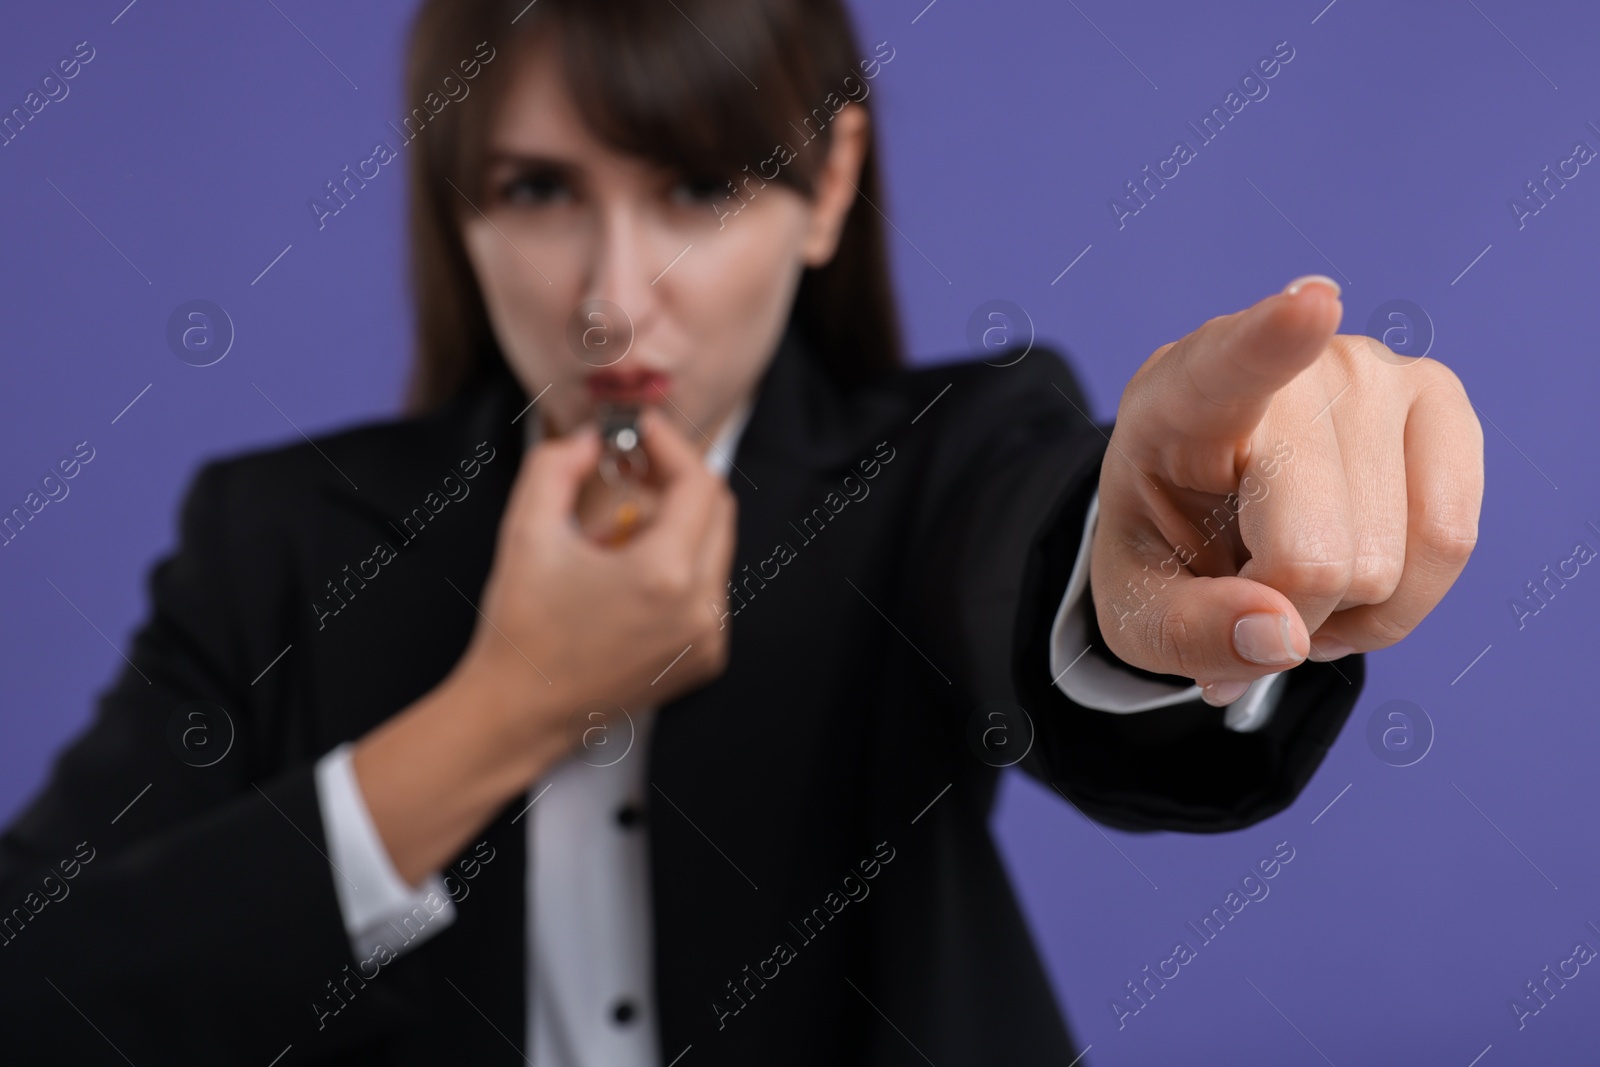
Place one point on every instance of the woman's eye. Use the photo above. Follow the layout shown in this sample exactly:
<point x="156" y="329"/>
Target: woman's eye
<point x="700" y="189"/>
<point x="533" y="189"/>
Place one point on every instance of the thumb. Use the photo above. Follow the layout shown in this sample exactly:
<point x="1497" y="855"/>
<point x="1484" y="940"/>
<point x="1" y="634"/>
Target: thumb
<point x="1226" y="631"/>
<point x="557" y="468"/>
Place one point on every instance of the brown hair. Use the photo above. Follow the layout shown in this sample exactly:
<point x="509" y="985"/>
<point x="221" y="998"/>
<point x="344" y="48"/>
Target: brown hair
<point x="649" y="82"/>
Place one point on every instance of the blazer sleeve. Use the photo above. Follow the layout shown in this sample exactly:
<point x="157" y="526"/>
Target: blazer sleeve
<point x="1005" y="529"/>
<point x="205" y="917"/>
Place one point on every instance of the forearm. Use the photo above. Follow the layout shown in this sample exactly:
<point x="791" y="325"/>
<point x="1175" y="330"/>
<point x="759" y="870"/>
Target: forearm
<point x="436" y="774"/>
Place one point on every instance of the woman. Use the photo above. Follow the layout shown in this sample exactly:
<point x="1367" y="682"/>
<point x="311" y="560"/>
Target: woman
<point x="505" y="783"/>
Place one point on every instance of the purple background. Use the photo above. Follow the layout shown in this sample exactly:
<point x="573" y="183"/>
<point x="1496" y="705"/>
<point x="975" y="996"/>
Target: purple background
<point x="1421" y="901"/>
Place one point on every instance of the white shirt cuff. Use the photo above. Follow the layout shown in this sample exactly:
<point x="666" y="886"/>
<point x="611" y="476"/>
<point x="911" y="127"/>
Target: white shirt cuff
<point x="1094" y="683"/>
<point x="377" y="905"/>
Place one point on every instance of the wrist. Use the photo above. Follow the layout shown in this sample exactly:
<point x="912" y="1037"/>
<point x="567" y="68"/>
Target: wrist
<point x="517" y="736"/>
<point x="435" y="774"/>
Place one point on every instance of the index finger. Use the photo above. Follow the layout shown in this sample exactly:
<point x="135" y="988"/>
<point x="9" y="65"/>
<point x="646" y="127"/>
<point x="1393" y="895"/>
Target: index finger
<point x="1215" y="384"/>
<point x="670" y="454"/>
<point x="688" y="487"/>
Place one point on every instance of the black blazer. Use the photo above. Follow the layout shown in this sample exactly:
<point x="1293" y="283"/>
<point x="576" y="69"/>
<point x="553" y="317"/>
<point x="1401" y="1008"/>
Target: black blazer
<point x="825" y="889"/>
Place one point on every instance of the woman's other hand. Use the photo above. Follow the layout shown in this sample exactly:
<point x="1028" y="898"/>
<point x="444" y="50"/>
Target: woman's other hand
<point x="565" y="626"/>
<point x="566" y="621"/>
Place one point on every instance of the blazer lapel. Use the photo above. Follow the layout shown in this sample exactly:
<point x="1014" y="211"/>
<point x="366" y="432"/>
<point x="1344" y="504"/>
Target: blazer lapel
<point x="804" y="420"/>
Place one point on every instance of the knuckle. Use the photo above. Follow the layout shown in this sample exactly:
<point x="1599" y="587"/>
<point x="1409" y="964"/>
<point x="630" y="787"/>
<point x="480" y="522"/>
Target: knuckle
<point x="1374" y="578"/>
<point x="667" y="580"/>
<point x="1444" y="385"/>
<point x="1365" y="361"/>
<point x="1448" y="542"/>
<point x="1325" y="577"/>
<point x="1161" y="352"/>
<point x="549" y="455"/>
<point x="1440" y="374"/>
<point x="702" y="488"/>
<point x="1178" y="645"/>
<point x="1355" y="353"/>
<point x="1383" y="630"/>
<point x="1352" y="350"/>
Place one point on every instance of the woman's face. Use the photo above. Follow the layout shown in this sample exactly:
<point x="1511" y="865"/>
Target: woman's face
<point x="566" y="222"/>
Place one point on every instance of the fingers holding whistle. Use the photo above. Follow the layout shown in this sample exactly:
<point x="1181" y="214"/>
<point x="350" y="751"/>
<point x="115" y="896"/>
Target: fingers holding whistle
<point x="695" y="512"/>
<point x="556" y="475"/>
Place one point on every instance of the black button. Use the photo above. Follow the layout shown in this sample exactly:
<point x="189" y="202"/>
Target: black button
<point x="629" y="816"/>
<point x="623" y="1011"/>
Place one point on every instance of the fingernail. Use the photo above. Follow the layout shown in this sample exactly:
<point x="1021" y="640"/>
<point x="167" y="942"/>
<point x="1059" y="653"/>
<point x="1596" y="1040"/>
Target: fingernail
<point x="1218" y="694"/>
<point x="1306" y="279"/>
<point x="1264" y="638"/>
<point x="1326" y="648"/>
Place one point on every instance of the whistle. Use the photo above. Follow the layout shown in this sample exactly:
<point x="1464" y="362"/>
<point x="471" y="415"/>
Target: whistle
<point x="623" y="464"/>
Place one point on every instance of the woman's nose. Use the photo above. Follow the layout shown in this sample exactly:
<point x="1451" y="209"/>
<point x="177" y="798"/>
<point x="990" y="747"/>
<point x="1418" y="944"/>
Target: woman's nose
<point x="621" y="270"/>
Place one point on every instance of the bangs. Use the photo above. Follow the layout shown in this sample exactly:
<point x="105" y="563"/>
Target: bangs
<point x="657" y="88"/>
<point x="649" y="83"/>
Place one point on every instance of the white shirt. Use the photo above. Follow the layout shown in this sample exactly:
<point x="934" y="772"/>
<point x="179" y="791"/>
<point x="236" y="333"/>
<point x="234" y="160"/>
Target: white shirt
<point x="588" y="882"/>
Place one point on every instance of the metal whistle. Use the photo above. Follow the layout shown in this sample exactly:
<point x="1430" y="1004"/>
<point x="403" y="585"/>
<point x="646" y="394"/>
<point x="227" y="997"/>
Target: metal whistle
<point x="623" y="464"/>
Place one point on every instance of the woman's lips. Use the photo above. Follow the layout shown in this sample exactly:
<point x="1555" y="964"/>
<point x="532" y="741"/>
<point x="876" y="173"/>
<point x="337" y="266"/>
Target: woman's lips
<point x="630" y="386"/>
